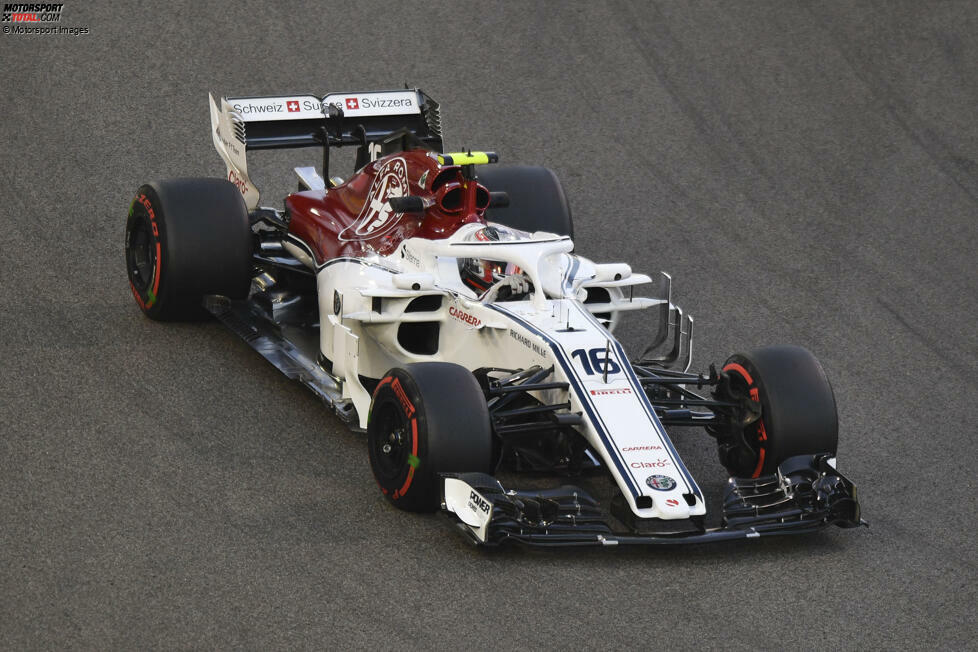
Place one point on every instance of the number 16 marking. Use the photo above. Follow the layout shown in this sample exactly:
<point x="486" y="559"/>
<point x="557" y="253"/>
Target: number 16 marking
<point x="594" y="361"/>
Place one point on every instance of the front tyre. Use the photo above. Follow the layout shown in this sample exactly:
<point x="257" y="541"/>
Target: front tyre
<point x="798" y="413"/>
<point x="425" y="419"/>
<point x="186" y="238"/>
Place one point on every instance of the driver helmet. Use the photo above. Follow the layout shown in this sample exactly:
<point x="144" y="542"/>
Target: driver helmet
<point x="480" y="274"/>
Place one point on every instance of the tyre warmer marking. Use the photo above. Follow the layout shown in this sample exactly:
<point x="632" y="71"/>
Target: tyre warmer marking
<point x="596" y="420"/>
<point x="761" y="430"/>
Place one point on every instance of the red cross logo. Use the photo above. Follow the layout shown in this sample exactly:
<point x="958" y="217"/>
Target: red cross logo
<point x="352" y="103"/>
<point x="292" y="106"/>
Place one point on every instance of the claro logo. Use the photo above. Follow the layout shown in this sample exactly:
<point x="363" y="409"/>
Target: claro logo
<point x="657" y="464"/>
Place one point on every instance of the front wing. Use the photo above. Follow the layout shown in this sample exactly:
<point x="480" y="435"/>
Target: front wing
<point x="806" y="493"/>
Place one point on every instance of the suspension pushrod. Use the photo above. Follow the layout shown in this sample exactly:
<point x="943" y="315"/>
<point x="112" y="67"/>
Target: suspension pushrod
<point x="688" y="401"/>
<point x="693" y="423"/>
<point x="527" y="387"/>
<point x="502" y="399"/>
<point x="531" y="410"/>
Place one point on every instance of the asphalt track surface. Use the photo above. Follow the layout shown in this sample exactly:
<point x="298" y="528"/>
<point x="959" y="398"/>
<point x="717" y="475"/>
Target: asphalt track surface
<point x="807" y="172"/>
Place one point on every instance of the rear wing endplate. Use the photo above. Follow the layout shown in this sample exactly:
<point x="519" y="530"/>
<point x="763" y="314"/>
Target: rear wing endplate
<point x="338" y="119"/>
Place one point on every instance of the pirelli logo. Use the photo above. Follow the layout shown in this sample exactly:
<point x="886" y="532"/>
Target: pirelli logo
<point x="32" y="12"/>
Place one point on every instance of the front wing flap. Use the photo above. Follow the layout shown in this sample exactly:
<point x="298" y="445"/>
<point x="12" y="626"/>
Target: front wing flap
<point x="806" y="493"/>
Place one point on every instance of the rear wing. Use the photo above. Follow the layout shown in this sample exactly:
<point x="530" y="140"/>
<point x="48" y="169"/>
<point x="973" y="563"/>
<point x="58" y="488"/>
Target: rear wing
<point x="362" y="119"/>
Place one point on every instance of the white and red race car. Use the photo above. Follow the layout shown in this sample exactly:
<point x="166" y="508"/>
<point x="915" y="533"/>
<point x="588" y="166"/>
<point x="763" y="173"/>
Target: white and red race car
<point x="435" y="301"/>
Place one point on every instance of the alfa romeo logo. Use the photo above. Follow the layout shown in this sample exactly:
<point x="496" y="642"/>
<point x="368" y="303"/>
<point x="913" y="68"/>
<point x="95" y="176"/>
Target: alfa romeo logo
<point x="660" y="482"/>
<point x="377" y="216"/>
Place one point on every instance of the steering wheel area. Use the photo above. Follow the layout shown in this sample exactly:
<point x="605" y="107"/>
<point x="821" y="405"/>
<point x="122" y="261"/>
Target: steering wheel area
<point x="514" y="287"/>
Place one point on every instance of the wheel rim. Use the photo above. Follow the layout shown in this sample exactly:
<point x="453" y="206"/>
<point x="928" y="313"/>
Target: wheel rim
<point x="141" y="255"/>
<point x="393" y="447"/>
<point x="755" y="434"/>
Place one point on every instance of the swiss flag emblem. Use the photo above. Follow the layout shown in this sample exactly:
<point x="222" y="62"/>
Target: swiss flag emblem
<point x="352" y="103"/>
<point x="292" y="106"/>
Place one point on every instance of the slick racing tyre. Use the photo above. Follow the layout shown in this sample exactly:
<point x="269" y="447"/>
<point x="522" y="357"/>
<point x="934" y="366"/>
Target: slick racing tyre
<point x="798" y="412"/>
<point x="536" y="199"/>
<point x="186" y="238"/>
<point x="426" y="418"/>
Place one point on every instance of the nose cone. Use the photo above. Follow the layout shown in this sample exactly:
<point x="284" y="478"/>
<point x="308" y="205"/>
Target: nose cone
<point x="667" y="496"/>
<point x="672" y="506"/>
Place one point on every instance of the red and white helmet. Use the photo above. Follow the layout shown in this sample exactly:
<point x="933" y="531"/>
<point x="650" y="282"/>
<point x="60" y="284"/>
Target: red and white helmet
<point x="480" y="274"/>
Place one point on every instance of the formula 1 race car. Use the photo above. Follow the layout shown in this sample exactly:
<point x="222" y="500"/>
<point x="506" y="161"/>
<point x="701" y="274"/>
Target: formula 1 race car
<point x="434" y="300"/>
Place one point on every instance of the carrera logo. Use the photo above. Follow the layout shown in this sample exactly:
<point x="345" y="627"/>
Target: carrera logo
<point x="352" y="103"/>
<point x="464" y="317"/>
<point x="672" y="502"/>
<point x="611" y="392"/>
<point x="377" y="217"/>
<point x="292" y="106"/>
<point x="629" y="449"/>
<point x="479" y="504"/>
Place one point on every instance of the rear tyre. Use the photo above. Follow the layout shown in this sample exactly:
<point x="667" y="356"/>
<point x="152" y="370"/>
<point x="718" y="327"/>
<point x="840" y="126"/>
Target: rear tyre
<point x="536" y="199"/>
<point x="186" y="238"/>
<point x="798" y="410"/>
<point x="426" y="418"/>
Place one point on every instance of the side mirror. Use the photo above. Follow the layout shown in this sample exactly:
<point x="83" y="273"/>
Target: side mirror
<point x="498" y="199"/>
<point x="408" y="204"/>
<point x="414" y="282"/>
